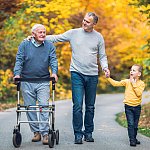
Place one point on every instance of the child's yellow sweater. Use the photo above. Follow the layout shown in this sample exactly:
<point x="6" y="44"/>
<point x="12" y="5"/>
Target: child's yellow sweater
<point x="133" y="91"/>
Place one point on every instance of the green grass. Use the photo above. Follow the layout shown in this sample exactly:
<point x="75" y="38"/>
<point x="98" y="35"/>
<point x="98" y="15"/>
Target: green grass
<point x="121" y="119"/>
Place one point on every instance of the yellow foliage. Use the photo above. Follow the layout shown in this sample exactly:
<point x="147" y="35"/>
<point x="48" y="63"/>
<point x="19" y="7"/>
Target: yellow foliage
<point x="61" y="92"/>
<point x="6" y="85"/>
<point x="123" y="27"/>
<point x="53" y="13"/>
<point x="28" y="11"/>
<point x="103" y="82"/>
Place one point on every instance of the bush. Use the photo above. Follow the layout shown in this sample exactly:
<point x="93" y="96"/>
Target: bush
<point x="7" y="90"/>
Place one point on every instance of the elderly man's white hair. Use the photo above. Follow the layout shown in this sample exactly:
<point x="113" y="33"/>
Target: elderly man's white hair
<point x="37" y="26"/>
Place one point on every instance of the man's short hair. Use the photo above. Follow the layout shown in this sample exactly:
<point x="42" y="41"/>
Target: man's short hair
<point x="36" y="26"/>
<point x="95" y="17"/>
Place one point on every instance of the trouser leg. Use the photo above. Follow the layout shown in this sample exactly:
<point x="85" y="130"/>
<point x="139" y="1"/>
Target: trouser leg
<point x="43" y="95"/>
<point x="130" y="120"/>
<point x="137" y="112"/>
<point x="29" y="97"/>
<point x="90" y="96"/>
<point x="77" y="98"/>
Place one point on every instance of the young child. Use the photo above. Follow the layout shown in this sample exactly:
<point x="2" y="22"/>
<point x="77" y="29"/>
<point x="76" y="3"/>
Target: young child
<point x="134" y="87"/>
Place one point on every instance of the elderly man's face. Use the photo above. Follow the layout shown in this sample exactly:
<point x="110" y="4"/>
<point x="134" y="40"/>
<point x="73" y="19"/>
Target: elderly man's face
<point x="39" y="34"/>
<point x="88" y="23"/>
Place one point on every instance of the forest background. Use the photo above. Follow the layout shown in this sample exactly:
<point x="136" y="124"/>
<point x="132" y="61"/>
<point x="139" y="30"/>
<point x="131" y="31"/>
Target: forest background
<point x="125" y="26"/>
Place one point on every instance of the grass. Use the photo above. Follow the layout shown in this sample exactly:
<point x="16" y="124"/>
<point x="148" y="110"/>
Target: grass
<point x="9" y="103"/>
<point x="144" y="122"/>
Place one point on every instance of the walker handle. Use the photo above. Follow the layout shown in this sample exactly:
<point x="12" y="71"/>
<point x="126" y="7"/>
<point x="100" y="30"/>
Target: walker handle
<point x="35" y="79"/>
<point x="18" y="80"/>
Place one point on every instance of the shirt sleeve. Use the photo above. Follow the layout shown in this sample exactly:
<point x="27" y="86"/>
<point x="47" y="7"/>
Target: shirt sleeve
<point x="116" y="83"/>
<point x="138" y="88"/>
<point x="19" y="59"/>
<point x="65" y="37"/>
<point x="53" y="63"/>
<point x="102" y="54"/>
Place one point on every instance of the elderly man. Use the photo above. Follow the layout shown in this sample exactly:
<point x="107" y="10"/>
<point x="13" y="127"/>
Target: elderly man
<point x="33" y="60"/>
<point x="86" y="44"/>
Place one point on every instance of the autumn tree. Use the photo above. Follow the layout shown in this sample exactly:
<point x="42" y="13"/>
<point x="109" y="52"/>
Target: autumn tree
<point x="125" y="32"/>
<point x="122" y="25"/>
<point x="144" y="7"/>
<point x="8" y="8"/>
<point x="56" y="16"/>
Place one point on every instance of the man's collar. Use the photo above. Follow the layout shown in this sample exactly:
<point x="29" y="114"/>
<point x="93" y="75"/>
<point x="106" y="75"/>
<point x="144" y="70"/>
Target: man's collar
<point x="35" y="43"/>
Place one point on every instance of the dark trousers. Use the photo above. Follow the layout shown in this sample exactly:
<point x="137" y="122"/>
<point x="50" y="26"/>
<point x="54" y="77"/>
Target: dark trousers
<point x="132" y="115"/>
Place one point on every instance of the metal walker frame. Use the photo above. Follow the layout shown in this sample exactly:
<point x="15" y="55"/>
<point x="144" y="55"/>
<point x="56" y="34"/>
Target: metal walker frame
<point x="52" y="134"/>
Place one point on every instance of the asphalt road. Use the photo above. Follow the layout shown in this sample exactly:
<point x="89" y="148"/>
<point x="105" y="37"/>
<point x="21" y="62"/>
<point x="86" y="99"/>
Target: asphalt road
<point x="108" y="134"/>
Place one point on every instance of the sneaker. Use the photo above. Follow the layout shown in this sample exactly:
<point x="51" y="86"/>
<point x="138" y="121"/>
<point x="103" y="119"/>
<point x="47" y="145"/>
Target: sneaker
<point x="78" y="140"/>
<point x="37" y="137"/>
<point x="88" y="138"/>
<point x="45" y="140"/>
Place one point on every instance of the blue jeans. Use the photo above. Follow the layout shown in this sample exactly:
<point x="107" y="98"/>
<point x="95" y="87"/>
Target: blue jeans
<point x="132" y="115"/>
<point x="32" y="92"/>
<point x="83" y="86"/>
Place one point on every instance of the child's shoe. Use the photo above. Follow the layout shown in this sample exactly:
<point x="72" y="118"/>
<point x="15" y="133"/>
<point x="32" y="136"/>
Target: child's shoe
<point x="138" y="142"/>
<point x="132" y="143"/>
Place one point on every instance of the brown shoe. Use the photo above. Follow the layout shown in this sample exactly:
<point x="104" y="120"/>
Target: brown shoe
<point x="45" y="139"/>
<point x="37" y="137"/>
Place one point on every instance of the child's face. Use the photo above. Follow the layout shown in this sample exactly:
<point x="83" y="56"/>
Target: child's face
<point x="134" y="72"/>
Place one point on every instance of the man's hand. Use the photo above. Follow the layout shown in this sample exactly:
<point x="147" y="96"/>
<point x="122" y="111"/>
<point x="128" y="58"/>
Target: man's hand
<point x="55" y="76"/>
<point x="29" y="37"/>
<point x="17" y="76"/>
<point x="107" y="72"/>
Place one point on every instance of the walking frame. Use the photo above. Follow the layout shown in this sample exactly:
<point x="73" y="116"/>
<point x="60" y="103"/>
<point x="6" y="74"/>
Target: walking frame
<point x="52" y="133"/>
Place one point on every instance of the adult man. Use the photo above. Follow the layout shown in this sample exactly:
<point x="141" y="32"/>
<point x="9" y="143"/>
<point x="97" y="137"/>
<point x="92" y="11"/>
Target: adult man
<point x="86" y="43"/>
<point x="33" y="60"/>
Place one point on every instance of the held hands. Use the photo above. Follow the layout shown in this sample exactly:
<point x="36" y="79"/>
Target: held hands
<point x="107" y="72"/>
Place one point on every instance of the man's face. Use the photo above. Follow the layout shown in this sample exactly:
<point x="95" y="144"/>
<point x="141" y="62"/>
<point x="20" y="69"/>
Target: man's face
<point x="88" y="23"/>
<point x="39" y="34"/>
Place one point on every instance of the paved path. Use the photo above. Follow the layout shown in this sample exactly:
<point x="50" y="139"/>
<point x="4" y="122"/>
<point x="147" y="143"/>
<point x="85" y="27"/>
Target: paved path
<point x="108" y="135"/>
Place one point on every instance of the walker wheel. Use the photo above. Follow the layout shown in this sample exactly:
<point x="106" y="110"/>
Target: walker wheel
<point x="17" y="139"/>
<point x="51" y="139"/>
<point x="57" y="137"/>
